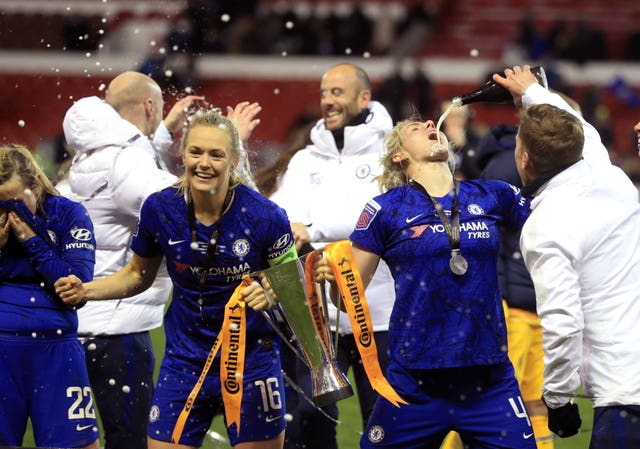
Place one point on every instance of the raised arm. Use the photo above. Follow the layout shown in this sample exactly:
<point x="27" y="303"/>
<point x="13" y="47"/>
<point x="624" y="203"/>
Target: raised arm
<point x="526" y="91"/>
<point x="516" y="80"/>
<point x="244" y="116"/>
<point x="177" y="116"/>
<point x="134" y="278"/>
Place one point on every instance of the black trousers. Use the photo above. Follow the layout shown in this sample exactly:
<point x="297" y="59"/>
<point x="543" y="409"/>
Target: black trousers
<point x="121" y="376"/>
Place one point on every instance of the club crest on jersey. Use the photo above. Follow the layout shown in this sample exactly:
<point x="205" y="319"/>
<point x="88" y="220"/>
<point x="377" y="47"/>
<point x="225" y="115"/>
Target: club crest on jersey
<point x="154" y="413"/>
<point x="363" y="171"/>
<point x="376" y="434"/>
<point x="368" y="214"/>
<point x="314" y="178"/>
<point x="52" y="235"/>
<point x="241" y="247"/>
<point x="474" y="209"/>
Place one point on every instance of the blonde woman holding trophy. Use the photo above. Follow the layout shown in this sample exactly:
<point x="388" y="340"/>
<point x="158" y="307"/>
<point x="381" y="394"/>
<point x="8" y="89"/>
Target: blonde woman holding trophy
<point x="213" y="230"/>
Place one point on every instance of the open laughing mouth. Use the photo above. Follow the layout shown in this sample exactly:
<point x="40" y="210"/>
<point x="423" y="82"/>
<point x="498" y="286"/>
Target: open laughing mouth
<point x="203" y="175"/>
<point x="332" y="115"/>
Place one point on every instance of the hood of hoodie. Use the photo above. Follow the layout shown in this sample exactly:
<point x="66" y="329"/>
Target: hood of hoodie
<point x="91" y="124"/>
<point x="357" y="138"/>
<point x="99" y="136"/>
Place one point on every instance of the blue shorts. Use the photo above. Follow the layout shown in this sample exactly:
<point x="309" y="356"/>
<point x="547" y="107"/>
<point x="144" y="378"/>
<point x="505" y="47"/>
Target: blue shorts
<point x="46" y="380"/>
<point x="616" y="426"/>
<point x="482" y="403"/>
<point x="263" y="401"/>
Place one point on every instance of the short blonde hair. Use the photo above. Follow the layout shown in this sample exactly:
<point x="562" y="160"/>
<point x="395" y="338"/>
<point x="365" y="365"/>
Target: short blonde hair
<point x="392" y="173"/>
<point x="213" y="118"/>
<point x="19" y="160"/>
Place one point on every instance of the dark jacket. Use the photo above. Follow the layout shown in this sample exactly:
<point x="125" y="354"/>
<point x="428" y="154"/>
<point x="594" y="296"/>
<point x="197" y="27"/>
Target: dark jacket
<point x="496" y="160"/>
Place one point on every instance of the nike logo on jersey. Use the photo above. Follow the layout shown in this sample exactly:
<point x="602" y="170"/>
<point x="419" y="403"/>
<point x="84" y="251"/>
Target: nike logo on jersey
<point x="175" y="242"/>
<point x="271" y="418"/>
<point x="80" y="428"/>
<point x="526" y="436"/>
<point x="412" y="219"/>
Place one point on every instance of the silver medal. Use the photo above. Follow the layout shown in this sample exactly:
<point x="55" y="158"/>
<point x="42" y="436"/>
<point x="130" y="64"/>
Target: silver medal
<point x="458" y="263"/>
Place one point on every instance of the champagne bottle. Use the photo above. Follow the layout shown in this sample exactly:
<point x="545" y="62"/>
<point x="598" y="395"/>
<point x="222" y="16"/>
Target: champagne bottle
<point x="492" y="92"/>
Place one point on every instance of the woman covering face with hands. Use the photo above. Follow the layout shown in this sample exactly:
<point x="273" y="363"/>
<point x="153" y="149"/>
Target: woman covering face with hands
<point x="212" y="230"/>
<point x="43" y="237"/>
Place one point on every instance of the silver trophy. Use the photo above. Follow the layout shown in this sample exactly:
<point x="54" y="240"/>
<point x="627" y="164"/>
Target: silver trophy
<point x="303" y="303"/>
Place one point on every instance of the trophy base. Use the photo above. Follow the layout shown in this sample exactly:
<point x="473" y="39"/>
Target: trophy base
<point x="331" y="397"/>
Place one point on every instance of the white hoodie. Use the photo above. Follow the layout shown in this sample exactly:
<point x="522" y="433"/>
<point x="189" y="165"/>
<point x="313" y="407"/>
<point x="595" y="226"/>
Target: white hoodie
<point x="581" y="245"/>
<point x="327" y="189"/>
<point x="113" y="171"/>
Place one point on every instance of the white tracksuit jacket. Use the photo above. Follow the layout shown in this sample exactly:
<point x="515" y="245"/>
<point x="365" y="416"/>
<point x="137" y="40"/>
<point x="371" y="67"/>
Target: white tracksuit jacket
<point x="111" y="175"/>
<point x="328" y="189"/>
<point x="581" y="245"/>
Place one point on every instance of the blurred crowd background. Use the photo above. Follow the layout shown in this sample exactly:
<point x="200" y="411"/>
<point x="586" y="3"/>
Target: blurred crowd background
<point x="418" y="54"/>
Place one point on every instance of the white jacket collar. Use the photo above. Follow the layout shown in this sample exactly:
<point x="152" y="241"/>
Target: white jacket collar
<point x="573" y="174"/>
<point x="356" y="138"/>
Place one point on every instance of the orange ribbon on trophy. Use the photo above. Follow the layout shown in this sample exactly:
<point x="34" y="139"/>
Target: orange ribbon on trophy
<point x="232" y="339"/>
<point x="314" y="301"/>
<point x="340" y="258"/>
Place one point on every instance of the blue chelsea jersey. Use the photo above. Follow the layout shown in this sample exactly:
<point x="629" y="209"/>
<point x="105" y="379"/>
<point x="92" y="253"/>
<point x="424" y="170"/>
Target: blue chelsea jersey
<point x="64" y="244"/>
<point x="253" y="234"/>
<point x="440" y="319"/>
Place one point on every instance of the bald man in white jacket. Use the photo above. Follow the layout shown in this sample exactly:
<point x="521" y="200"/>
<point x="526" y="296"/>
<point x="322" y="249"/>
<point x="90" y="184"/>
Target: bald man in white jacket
<point x="115" y="167"/>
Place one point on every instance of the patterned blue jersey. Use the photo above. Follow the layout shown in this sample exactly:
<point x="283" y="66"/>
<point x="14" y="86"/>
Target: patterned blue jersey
<point x="43" y="373"/>
<point x="64" y="244"/>
<point x="253" y="233"/>
<point x="440" y="319"/>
